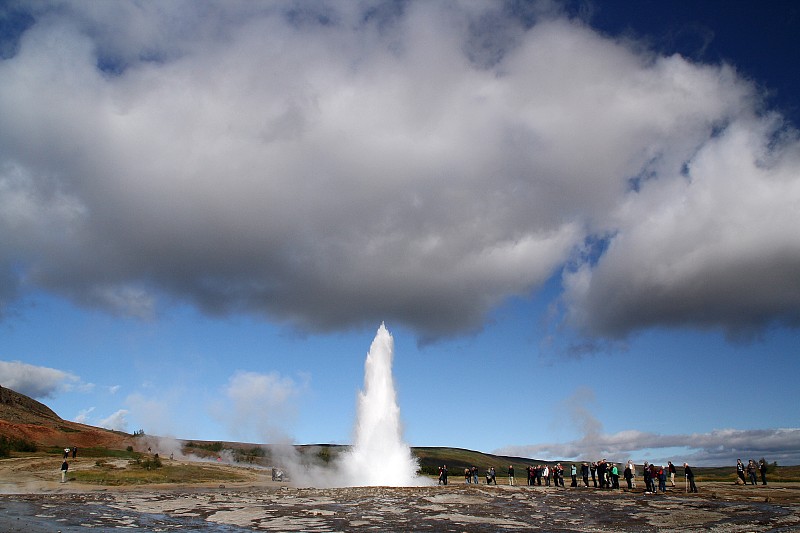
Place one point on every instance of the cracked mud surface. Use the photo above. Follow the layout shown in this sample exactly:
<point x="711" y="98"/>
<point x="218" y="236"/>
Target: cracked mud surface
<point x="457" y="508"/>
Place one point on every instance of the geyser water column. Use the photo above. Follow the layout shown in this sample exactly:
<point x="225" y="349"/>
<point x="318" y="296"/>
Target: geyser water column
<point x="379" y="456"/>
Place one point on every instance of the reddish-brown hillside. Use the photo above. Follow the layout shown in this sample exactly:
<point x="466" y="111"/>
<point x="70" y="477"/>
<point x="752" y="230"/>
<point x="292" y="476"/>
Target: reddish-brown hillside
<point x="24" y="417"/>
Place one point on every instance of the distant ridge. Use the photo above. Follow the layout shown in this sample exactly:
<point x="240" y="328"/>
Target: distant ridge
<point x="23" y="417"/>
<point x="16" y="407"/>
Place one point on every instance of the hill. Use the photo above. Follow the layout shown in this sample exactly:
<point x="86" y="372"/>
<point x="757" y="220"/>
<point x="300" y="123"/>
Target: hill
<point x="24" y="419"/>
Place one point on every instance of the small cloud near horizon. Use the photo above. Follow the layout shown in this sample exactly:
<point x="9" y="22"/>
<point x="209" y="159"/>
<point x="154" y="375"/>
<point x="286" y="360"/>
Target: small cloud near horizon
<point x="714" y="448"/>
<point x="117" y="421"/>
<point x="83" y="416"/>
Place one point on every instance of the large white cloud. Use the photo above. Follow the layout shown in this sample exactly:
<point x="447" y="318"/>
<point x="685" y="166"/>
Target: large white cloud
<point x="327" y="164"/>
<point x="36" y="381"/>
<point x="716" y="246"/>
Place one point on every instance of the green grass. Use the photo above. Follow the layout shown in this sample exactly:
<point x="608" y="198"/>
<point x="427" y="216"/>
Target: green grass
<point x="728" y="474"/>
<point x="104" y="474"/>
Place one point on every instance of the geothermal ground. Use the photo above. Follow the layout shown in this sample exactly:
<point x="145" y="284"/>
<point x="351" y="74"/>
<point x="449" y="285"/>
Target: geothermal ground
<point x="34" y="501"/>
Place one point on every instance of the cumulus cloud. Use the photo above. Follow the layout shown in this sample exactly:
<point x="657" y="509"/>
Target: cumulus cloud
<point x="157" y="412"/>
<point x="715" y="448"/>
<point x="259" y="406"/>
<point x="37" y="381"/>
<point x="713" y="246"/>
<point x="325" y="163"/>
<point x="83" y="415"/>
<point x="117" y="421"/>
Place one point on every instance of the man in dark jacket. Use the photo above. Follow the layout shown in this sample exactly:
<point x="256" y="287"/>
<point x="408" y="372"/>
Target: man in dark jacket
<point x="740" y="471"/>
<point x="690" y="477"/>
<point x="585" y="473"/>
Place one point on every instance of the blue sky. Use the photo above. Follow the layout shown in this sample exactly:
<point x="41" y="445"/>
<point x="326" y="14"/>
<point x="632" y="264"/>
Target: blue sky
<point x="578" y="220"/>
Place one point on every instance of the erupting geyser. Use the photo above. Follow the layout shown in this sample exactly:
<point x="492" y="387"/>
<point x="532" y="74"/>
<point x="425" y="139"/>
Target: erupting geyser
<point x="379" y="456"/>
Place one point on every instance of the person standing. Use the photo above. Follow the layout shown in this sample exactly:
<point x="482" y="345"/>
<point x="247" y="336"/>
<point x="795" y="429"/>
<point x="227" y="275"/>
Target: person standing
<point x="558" y="475"/>
<point x="662" y="479"/>
<point x="628" y="475"/>
<point x="511" y="475"/>
<point x="672" y="471"/>
<point x="752" y="472"/>
<point x="762" y="466"/>
<point x="64" y="468"/>
<point x="475" y="475"/>
<point x="633" y="473"/>
<point x="467" y="476"/>
<point x="690" y="477"/>
<point x="740" y="470"/>
<point x="585" y="473"/>
<point x="614" y="476"/>
<point x="593" y="470"/>
<point x="574" y="475"/>
<point x="601" y="472"/>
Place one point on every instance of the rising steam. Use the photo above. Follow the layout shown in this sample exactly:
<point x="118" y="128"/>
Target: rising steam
<point x="379" y="455"/>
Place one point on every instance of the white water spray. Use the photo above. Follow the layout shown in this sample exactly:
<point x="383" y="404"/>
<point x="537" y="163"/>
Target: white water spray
<point x="379" y="456"/>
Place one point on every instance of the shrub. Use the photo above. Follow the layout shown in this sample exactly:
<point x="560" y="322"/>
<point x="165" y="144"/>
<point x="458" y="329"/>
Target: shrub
<point x="147" y="464"/>
<point x="429" y="470"/>
<point x="324" y="455"/>
<point x="22" y="445"/>
<point x="17" y="445"/>
<point x="212" y="447"/>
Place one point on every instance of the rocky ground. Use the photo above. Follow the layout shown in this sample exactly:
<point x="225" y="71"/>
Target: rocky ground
<point x="34" y="501"/>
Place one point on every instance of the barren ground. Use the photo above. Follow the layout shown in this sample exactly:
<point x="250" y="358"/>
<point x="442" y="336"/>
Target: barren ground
<point x="33" y="500"/>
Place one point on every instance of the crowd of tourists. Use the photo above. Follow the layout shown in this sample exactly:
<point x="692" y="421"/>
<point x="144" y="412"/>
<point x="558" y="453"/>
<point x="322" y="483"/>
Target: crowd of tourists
<point x="752" y="469"/>
<point x="606" y="475"/>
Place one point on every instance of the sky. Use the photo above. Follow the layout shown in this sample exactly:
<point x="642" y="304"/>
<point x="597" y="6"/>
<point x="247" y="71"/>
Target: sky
<point x="579" y="221"/>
